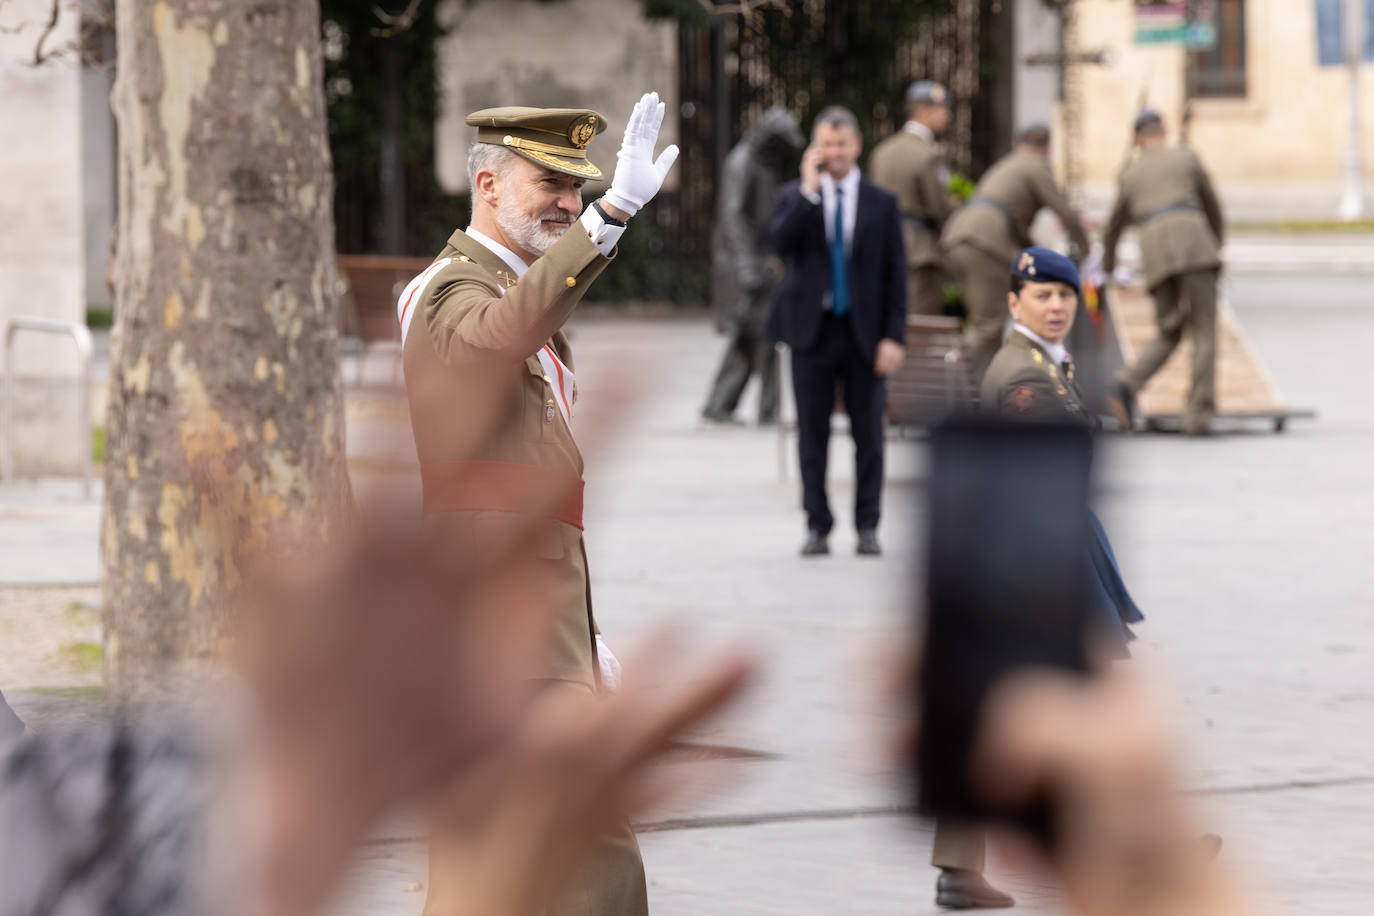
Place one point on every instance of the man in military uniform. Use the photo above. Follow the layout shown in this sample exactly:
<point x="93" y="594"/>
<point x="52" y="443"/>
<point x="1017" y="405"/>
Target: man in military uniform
<point x="483" y="348"/>
<point x="983" y="237"/>
<point x="1166" y="192"/>
<point x="911" y="165"/>
<point x="742" y="272"/>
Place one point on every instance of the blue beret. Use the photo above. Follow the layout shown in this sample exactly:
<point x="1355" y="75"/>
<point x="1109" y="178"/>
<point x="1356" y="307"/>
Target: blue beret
<point x="1040" y="265"/>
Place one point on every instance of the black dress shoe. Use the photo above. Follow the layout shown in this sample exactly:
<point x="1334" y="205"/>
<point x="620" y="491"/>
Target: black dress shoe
<point x="961" y="889"/>
<point x="868" y="544"/>
<point x="1122" y="401"/>
<point x="815" y="545"/>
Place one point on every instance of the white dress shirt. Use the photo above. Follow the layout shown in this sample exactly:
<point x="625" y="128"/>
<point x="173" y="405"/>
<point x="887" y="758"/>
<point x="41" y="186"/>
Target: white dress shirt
<point x="849" y="184"/>
<point x="1056" y="351"/>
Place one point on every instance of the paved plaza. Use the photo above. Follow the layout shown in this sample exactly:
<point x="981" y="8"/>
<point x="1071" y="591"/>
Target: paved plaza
<point x="1249" y="553"/>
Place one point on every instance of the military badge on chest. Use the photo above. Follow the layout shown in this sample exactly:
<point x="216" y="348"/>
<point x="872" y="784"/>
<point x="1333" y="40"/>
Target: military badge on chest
<point x="549" y="410"/>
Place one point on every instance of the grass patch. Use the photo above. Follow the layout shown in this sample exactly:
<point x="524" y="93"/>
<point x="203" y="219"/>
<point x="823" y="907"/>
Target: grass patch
<point x="98" y="444"/>
<point x="81" y="614"/>
<point x="84" y="656"/>
<point x="99" y="318"/>
<point x="93" y="694"/>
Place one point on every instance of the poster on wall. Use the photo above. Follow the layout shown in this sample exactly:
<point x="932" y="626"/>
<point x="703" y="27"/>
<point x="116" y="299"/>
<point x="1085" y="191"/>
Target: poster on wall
<point x="1331" y="32"/>
<point x="1191" y="23"/>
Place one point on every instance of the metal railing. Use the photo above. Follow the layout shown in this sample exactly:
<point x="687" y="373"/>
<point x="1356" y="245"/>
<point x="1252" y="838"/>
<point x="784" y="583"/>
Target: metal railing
<point x="81" y="336"/>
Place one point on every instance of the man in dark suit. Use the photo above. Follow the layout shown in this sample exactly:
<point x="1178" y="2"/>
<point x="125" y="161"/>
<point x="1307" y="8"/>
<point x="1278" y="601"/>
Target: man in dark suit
<point x="841" y="307"/>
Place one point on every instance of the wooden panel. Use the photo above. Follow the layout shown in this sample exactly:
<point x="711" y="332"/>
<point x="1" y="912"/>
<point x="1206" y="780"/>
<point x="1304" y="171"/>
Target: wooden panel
<point x="1244" y="388"/>
<point x="371" y="286"/>
<point x="933" y="380"/>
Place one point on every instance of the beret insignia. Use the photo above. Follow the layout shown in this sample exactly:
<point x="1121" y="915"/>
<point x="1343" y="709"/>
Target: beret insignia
<point x="1023" y="398"/>
<point x="1026" y="260"/>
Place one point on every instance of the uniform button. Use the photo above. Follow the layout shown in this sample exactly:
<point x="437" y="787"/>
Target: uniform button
<point x="571" y="281"/>
<point x="550" y="381"/>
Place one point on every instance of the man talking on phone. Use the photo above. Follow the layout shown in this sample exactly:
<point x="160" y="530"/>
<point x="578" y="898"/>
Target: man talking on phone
<point x="841" y="307"/>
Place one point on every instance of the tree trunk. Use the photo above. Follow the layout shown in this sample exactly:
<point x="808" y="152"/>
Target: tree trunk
<point x="225" y="423"/>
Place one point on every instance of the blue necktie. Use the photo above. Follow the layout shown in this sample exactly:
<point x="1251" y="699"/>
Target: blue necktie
<point x="839" y="270"/>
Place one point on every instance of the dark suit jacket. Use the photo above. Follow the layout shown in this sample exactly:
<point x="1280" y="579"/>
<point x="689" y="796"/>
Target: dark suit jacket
<point x="877" y="269"/>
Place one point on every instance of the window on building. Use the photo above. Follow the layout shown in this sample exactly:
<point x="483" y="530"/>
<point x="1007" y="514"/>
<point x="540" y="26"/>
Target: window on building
<point x="1219" y="71"/>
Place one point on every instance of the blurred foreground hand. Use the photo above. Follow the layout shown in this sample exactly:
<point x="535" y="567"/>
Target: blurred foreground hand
<point x="1126" y="842"/>
<point x="377" y="684"/>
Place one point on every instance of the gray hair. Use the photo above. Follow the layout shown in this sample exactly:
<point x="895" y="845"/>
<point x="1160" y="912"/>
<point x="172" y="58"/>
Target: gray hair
<point x="486" y="157"/>
<point x="836" y="116"/>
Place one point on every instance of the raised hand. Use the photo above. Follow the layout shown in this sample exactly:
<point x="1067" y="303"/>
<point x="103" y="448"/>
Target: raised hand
<point x="638" y="176"/>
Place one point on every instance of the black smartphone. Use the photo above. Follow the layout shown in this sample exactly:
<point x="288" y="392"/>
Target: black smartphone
<point x="1005" y="587"/>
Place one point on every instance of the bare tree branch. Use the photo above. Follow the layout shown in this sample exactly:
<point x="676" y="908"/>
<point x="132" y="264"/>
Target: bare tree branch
<point x="38" y="57"/>
<point x="396" y="23"/>
<point x="741" y="8"/>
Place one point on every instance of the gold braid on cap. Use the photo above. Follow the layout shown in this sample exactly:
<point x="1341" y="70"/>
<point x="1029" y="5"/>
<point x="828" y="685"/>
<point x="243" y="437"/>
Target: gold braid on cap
<point x="522" y="143"/>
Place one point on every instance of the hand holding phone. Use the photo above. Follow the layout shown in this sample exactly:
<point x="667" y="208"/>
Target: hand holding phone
<point x="811" y="169"/>
<point x="1005" y="590"/>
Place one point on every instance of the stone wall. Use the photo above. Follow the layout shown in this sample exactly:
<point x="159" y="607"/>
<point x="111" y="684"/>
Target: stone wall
<point x="41" y="225"/>
<point x="598" y="54"/>
<point x="1278" y="152"/>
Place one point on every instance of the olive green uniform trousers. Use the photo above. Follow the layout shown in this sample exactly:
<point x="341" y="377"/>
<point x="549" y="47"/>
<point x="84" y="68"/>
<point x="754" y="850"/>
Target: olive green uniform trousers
<point x="1185" y="303"/>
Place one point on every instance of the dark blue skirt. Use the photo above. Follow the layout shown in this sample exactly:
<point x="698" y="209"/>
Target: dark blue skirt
<point x="10" y="726"/>
<point x="1111" y="604"/>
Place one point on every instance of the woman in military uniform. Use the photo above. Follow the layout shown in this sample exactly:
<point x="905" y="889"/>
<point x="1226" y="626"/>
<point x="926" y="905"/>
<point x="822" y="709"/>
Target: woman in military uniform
<point x="1032" y="378"/>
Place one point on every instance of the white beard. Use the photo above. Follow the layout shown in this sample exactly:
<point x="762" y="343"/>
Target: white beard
<point x="528" y="231"/>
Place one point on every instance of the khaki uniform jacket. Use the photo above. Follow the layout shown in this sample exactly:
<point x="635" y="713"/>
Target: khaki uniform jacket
<point x="472" y="353"/>
<point x="1167" y="193"/>
<point x="1024" y="383"/>
<point x="998" y="218"/>
<point x="914" y="169"/>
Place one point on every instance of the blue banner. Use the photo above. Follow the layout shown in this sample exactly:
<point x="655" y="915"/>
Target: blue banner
<point x="1331" y="32"/>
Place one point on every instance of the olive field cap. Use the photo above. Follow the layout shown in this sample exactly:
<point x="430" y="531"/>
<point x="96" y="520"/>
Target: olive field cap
<point x="1041" y="265"/>
<point x="1147" y="119"/>
<point x="927" y="92"/>
<point x="555" y="138"/>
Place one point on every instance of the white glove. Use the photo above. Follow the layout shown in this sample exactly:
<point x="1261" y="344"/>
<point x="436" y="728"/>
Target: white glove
<point x="1092" y="270"/>
<point x="637" y="175"/>
<point x="609" y="664"/>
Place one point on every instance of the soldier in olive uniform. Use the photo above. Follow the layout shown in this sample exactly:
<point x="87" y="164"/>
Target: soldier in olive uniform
<point x="742" y="271"/>
<point x="1032" y="375"/>
<point x="911" y="165"/>
<point x="983" y="237"/>
<point x="1166" y="192"/>
<point x="482" y="347"/>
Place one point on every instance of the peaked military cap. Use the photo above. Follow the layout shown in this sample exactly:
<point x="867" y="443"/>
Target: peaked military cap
<point x="1147" y="118"/>
<point x="927" y="92"/>
<point x="1041" y="265"/>
<point x="555" y="138"/>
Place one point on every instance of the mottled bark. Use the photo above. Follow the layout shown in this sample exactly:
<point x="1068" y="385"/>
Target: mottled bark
<point x="224" y="368"/>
